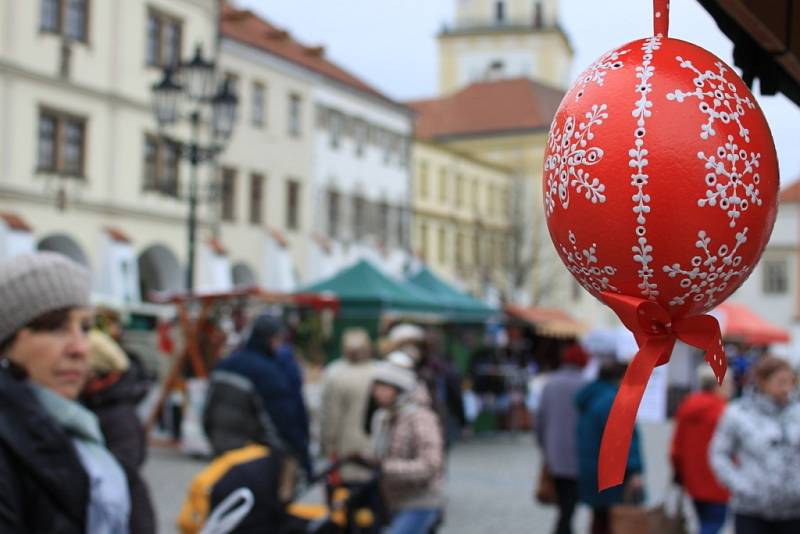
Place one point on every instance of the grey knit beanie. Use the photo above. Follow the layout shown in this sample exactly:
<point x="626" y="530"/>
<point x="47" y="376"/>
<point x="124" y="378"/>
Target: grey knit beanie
<point x="34" y="284"/>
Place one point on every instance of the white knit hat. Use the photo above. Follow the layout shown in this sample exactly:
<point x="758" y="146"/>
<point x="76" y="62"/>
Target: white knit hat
<point x="32" y="285"/>
<point x="406" y="332"/>
<point x="396" y="370"/>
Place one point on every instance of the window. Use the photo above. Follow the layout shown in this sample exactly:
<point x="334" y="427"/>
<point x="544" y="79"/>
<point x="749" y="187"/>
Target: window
<point x="233" y="81"/>
<point x="461" y="241"/>
<point x="61" y="143"/>
<point x="383" y="222"/>
<point x="333" y="214"/>
<point x="423" y="240"/>
<point x="161" y="165"/>
<point x="507" y="201"/>
<point x="500" y="11"/>
<point x="491" y="201"/>
<point x="388" y="146"/>
<point x="336" y="128"/>
<point x="150" y="177"/>
<point x="256" y="198"/>
<point x="423" y="180"/>
<point x="443" y="185"/>
<point x="442" y="245"/>
<point x="171" y="164"/>
<point x="259" y="93"/>
<point x="475" y="203"/>
<point x="228" y="194"/>
<point x="476" y="248"/>
<point x="402" y="226"/>
<point x="294" y="115"/>
<point x="359" y="216"/>
<point x="459" y="191"/>
<point x="775" y="280"/>
<point x="403" y="151"/>
<point x="66" y="17"/>
<point x="537" y="14"/>
<point x="164" y="34"/>
<point x="361" y="136"/>
<point x="292" y="205"/>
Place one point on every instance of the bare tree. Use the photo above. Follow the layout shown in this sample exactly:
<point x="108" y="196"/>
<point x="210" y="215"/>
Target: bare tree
<point x="534" y="267"/>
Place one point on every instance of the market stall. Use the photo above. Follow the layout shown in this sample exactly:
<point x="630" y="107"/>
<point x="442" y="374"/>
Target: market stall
<point x="371" y="299"/>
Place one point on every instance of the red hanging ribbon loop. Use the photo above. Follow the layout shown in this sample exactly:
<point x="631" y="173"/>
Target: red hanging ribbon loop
<point x="661" y="18"/>
<point x="656" y="334"/>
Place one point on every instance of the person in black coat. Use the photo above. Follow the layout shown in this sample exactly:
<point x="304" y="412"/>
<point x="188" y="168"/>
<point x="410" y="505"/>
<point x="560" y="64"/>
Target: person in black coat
<point x="266" y="365"/>
<point x="56" y="475"/>
<point x="43" y="487"/>
<point x="113" y="393"/>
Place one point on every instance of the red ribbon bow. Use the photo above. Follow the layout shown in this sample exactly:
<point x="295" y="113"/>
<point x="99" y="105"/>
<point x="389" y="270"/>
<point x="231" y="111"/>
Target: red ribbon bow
<point x="656" y="333"/>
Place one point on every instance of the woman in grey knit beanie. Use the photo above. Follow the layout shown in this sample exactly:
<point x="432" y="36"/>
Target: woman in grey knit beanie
<point x="56" y="475"/>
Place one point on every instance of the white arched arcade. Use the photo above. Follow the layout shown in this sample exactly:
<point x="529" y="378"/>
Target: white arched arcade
<point x="63" y="244"/>
<point x="159" y="270"/>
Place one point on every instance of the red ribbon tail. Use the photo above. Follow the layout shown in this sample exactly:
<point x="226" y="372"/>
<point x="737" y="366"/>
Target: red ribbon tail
<point x="618" y="432"/>
<point x="702" y="331"/>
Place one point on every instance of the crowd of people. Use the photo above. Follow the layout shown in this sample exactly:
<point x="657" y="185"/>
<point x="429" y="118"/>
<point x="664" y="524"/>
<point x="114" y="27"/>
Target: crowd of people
<point x="383" y="416"/>
<point x="730" y="455"/>
<point x="72" y="445"/>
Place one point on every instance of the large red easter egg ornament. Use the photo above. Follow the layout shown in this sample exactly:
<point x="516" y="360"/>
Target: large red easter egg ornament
<point x="660" y="191"/>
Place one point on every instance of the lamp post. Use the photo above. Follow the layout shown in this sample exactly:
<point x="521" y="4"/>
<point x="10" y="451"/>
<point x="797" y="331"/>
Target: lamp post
<point x="190" y="91"/>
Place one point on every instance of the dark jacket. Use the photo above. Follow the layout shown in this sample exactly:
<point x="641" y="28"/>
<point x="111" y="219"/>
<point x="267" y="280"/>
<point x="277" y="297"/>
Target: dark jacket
<point x="115" y="408"/>
<point x="594" y="404"/>
<point x="278" y="382"/>
<point x="43" y="486"/>
<point x="234" y="415"/>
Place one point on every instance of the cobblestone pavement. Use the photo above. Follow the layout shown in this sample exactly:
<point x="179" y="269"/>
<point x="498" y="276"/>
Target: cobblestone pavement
<point x="489" y="487"/>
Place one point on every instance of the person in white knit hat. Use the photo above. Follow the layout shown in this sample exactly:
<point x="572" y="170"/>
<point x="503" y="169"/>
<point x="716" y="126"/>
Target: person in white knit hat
<point x="56" y="475"/>
<point x="408" y="447"/>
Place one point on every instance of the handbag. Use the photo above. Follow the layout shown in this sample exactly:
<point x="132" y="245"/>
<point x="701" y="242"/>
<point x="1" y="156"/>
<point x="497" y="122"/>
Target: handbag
<point x="545" y="491"/>
<point x="631" y="516"/>
<point x="630" y="519"/>
<point x="667" y="519"/>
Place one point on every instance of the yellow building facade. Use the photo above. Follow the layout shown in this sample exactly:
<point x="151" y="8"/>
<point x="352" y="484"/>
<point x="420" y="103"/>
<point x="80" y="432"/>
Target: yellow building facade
<point x="534" y="261"/>
<point x="461" y="217"/>
<point x="494" y="39"/>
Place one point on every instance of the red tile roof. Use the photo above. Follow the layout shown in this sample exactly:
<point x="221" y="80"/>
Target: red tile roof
<point x="791" y="193"/>
<point x="491" y="107"/>
<point x="248" y="28"/>
<point x="15" y="222"/>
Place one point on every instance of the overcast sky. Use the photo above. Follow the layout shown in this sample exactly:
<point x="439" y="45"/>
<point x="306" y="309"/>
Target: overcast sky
<point x="391" y="44"/>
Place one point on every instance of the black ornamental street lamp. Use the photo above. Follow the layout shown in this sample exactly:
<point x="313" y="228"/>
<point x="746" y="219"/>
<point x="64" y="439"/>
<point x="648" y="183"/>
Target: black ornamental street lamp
<point x="190" y="90"/>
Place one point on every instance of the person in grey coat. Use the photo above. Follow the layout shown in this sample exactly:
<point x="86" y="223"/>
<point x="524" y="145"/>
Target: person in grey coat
<point x="556" y="427"/>
<point x="755" y="452"/>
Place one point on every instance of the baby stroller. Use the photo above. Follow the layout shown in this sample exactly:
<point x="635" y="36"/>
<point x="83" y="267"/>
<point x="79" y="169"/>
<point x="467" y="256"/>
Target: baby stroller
<point x="240" y="493"/>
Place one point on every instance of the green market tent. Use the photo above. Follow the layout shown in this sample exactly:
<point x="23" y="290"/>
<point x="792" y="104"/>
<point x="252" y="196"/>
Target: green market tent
<point x="364" y="291"/>
<point x="462" y="307"/>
